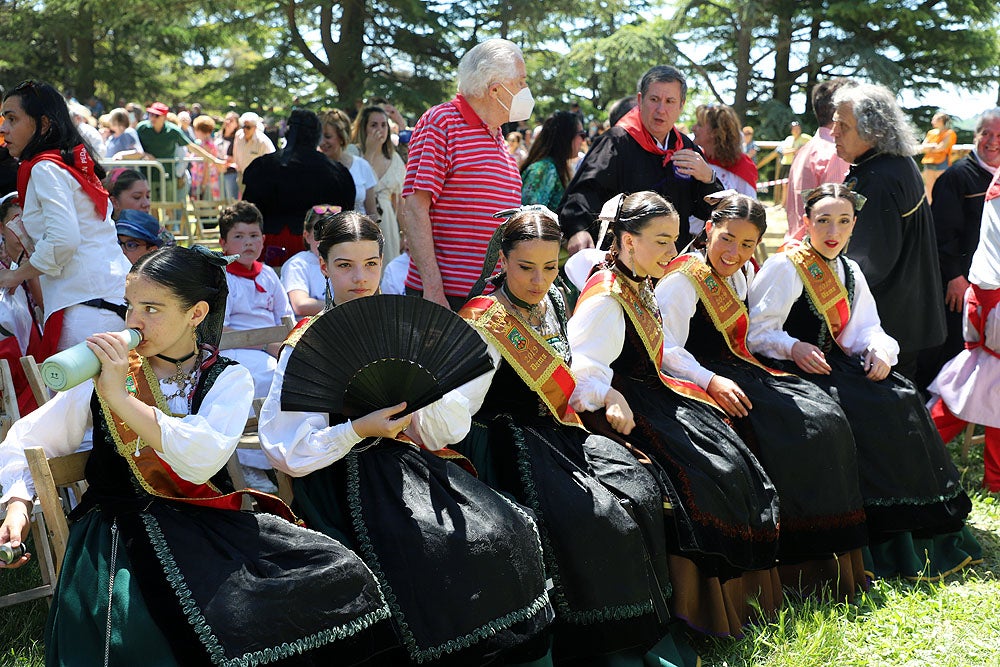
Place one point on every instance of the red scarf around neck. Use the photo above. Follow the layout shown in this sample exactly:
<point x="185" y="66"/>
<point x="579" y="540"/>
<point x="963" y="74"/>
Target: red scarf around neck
<point x="632" y="123"/>
<point x="241" y="271"/>
<point x="82" y="170"/>
<point x="743" y="168"/>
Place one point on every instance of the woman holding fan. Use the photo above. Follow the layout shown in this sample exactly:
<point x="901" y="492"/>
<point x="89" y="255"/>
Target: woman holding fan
<point x="460" y="564"/>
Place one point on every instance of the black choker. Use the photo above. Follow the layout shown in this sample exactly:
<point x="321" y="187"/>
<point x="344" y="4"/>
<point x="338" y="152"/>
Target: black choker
<point x="520" y="303"/>
<point x="176" y="361"/>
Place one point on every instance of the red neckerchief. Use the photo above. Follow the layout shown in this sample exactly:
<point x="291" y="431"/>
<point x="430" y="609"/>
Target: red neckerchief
<point x="743" y="168"/>
<point x="632" y="123"/>
<point x="82" y="170"/>
<point x="994" y="190"/>
<point x="241" y="271"/>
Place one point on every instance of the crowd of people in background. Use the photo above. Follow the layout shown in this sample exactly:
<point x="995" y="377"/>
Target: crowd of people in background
<point x="671" y="435"/>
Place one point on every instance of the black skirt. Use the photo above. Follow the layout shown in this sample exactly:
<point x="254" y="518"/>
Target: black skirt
<point x="600" y="515"/>
<point x="908" y="480"/>
<point x="804" y="441"/>
<point x="460" y="565"/>
<point x="218" y="584"/>
<point x="724" y="506"/>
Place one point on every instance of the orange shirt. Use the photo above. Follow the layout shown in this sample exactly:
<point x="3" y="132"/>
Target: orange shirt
<point x="936" y="136"/>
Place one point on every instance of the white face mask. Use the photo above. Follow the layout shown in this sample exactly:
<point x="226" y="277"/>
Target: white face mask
<point x="521" y="105"/>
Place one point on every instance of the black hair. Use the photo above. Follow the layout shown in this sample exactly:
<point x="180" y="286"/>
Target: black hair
<point x="741" y="207"/>
<point x="636" y="210"/>
<point x="822" y="100"/>
<point x="39" y="99"/>
<point x="555" y="141"/>
<point x="8" y="204"/>
<point x="663" y="74"/>
<point x="529" y="225"/>
<point x="121" y="179"/>
<point x="304" y="132"/>
<point x="239" y="211"/>
<point x="191" y="274"/>
<point x="345" y="227"/>
<point x="834" y="190"/>
<point x="621" y="107"/>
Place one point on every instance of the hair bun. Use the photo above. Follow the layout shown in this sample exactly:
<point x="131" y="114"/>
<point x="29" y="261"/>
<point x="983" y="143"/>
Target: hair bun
<point x="214" y="258"/>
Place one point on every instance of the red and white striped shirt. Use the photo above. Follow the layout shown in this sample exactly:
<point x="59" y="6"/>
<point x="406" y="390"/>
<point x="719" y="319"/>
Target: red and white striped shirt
<point x="470" y="176"/>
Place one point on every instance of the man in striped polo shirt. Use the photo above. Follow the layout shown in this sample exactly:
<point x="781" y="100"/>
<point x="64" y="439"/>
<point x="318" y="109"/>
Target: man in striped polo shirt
<point x="459" y="173"/>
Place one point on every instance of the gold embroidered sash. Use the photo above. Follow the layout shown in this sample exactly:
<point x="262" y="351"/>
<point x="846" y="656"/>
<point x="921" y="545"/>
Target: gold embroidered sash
<point x="647" y="324"/>
<point x="153" y="473"/>
<point x="822" y="284"/>
<point x="535" y="361"/>
<point x="727" y="312"/>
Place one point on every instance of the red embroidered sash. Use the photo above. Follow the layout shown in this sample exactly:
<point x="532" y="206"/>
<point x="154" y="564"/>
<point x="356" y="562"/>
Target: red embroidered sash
<point x="153" y="473"/>
<point x="647" y="324"/>
<point x="727" y="312"/>
<point x="534" y="360"/>
<point x="822" y="284"/>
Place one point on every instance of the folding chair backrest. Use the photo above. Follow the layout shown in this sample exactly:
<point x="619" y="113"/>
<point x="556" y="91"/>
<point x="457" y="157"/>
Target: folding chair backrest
<point x="48" y="474"/>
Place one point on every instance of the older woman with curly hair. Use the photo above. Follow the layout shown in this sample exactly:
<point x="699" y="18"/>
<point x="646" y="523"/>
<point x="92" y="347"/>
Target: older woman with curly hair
<point x="717" y="132"/>
<point x="894" y="240"/>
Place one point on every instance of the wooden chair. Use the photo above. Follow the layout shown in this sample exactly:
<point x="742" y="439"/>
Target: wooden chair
<point x="969" y="438"/>
<point x="34" y="376"/>
<point x="257" y="338"/>
<point x="9" y="413"/>
<point x="251" y="440"/>
<point x="49" y="474"/>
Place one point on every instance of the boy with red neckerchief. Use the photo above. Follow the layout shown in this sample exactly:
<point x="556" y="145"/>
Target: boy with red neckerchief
<point x="256" y="299"/>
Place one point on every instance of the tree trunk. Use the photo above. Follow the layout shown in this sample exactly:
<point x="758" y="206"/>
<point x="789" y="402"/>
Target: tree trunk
<point x="813" y="72"/>
<point x="346" y="57"/>
<point x="84" y="83"/>
<point x="782" y="53"/>
<point x="744" y="40"/>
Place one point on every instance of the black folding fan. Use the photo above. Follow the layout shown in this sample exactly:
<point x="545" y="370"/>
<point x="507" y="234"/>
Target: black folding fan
<point x="379" y="351"/>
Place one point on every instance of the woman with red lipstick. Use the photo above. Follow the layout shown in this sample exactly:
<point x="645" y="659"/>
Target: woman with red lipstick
<point x="799" y="434"/>
<point x="599" y="510"/>
<point x="721" y="508"/>
<point x="460" y="564"/>
<point x="812" y="313"/>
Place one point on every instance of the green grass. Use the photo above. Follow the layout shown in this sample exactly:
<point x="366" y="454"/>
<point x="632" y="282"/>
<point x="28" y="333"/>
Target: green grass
<point x="953" y="623"/>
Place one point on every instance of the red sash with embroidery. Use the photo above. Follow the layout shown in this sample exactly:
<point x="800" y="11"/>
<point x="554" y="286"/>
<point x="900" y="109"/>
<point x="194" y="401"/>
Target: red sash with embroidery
<point x="728" y="313"/>
<point x="153" y="473"/>
<point x="822" y="284"/>
<point x="534" y="360"/>
<point x="647" y="324"/>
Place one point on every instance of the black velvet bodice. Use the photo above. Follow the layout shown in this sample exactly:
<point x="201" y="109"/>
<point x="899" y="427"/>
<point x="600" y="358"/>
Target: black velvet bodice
<point x="705" y="342"/>
<point x="111" y="483"/>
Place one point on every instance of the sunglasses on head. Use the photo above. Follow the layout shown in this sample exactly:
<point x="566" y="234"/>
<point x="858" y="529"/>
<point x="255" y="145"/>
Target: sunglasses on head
<point x="324" y="209"/>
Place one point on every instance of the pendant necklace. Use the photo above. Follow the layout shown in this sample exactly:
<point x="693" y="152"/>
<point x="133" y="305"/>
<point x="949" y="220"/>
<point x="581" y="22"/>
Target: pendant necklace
<point x="536" y="312"/>
<point x="184" y="380"/>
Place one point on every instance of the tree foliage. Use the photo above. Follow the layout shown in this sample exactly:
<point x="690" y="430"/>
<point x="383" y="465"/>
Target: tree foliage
<point x="752" y="54"/>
